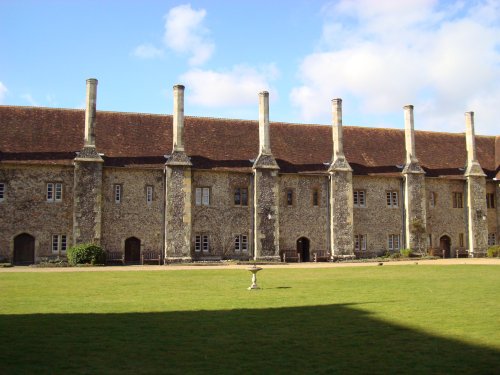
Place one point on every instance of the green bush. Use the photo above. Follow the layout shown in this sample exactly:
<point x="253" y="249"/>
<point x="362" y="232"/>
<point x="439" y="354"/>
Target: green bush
<point x="86" y="254"/>
<point x="405" y="253"/>
<point x="494" y="251"/>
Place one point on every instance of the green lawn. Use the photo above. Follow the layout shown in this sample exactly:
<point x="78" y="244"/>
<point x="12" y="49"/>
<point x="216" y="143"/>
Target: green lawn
<point x="394" y="319"/>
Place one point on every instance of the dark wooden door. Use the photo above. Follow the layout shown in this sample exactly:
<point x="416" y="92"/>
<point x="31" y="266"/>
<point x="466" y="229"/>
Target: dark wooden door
<point x="445" y="246"/>
<point x="132" y="250"/>
<point x="303" y="249"/>
<point x="24" y="249"/>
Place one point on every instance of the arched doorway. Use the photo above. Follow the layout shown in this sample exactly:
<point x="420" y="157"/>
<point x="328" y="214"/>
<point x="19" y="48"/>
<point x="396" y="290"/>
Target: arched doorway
<point x="303" y="249"/>
<point x="445" y="246"/>
<point x="24" y="249"/>
<point x="132" y="250"/>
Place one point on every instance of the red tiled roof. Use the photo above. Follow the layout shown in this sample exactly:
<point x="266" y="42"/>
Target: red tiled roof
<point x="45" y="135"/>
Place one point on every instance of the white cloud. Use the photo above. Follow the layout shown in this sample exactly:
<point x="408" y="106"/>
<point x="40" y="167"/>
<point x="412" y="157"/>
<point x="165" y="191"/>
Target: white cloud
<point x="147" y="51"/>
<point x="31" y="101"/>
<point x="236" y="87"/>
<point x="185" y="33"/>
<point x="3" y="92"/>
<point x="384" y="54"/>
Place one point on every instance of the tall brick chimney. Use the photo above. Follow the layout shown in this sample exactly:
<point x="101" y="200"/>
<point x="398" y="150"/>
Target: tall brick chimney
<point x="264" y="137"/>
<point x="338" y="159"/>
<point x="90" y="112"/>
<point x="178" y="131"/>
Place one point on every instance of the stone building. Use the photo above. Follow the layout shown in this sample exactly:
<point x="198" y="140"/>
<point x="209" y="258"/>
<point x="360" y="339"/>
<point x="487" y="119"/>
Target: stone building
<point x="194" y="188"/>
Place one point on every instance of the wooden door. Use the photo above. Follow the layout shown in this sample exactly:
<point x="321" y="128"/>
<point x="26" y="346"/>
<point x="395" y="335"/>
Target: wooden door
<point x="24" y="249"/>
<point x="132" y="250"/>
<point x="445" y="246"/>
<point x="303" y="249"/>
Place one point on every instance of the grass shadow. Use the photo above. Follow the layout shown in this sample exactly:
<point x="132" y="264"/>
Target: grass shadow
<point x="311" y="339"/>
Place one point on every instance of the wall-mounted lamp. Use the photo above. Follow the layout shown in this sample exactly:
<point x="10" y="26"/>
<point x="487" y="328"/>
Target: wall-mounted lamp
<point x="480" y="214"/>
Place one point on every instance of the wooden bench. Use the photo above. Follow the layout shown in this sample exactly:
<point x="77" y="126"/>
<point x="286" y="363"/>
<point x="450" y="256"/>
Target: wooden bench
<point x="321" y="256"/>
<point x="150" y="256"/>
<point x="290" y="256"/>
<point x="462" y="253"/>
<point x="115" y="257"/>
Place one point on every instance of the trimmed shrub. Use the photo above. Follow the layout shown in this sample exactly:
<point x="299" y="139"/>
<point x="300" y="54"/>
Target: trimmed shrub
<point x="406" y="253"/>
<point x="86" y="254"/>
<point x="494" y="251"/>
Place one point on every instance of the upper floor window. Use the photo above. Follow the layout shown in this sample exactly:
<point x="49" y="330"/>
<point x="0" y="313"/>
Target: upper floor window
<point x="492" y="239"/>
<point x="458" y="200"/>
<point x="2" y="191"/>
<point x="54" y="192"/>
<point x="59" y="243"/>
<point x="360" y="242"/>
<point x="149" y="194"/>
<point x="117" y="189"/>
<point x="392" y="199"/>
<point x="359" y="198"/>
<point x="241" y="197"/>
<point x="490" y="200"/>
<point x="432" y="199"/>
<point x="289" y="197"/>
<point x="393" y="242"/>
<point x="201" y="243"/>
<point x="315" y="197"/>
<point x="202" y="196"/>
<point x="241" y="243"/>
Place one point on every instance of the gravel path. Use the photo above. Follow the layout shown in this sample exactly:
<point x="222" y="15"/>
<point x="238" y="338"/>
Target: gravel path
<point x="487" y="261"/>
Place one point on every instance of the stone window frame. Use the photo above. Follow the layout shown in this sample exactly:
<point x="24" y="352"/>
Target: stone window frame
<point x="360" y="241"/>
<point x="59" y="243"/>
<point x="457" y="199"/>
<point x="2" y="191"/>
<point x="238" y="191"/>
<point x="316" y="196"/>
<point x="204" y="196"/>
<point x="461" y="240"/>
<point x="241" y="243"/>
<point x="202" y="243"/>
<point x="392" y="198"/>
<point x="290" y="197"/>
<point x="118" y="193"/>
<point x="54" y="191"/>
<point x="357" y="196"/>
<point x="490" y="200"/>
<point x="432" y="199"/>
<point x="492" y="239"/>
<point x="149" y="194"/>
<point x="392" y="239"/>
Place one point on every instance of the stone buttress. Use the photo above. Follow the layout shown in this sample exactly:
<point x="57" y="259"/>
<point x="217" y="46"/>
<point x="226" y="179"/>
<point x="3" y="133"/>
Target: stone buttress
<point x="178" y="190"/>
<point x="475" y="195"/>
<point x="266" y="191"/>
<point x="341" y="192"/>
<point x="87" y="189"/>
<point x="415" y="226"/>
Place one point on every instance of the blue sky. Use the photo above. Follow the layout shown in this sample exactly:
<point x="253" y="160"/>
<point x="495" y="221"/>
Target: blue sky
<point x="377" y="55"/>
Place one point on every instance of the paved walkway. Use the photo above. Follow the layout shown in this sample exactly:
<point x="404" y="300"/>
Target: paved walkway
<point x="484" y="261"/>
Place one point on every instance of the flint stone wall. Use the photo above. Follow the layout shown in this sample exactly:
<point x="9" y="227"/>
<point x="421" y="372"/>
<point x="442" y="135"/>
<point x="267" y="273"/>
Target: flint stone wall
<point x="222" y="220"/>
<point x="25" y="208"/>
<point x="133" y="216"/>
<point x="302" y="219"/>
<point x="376" y="220"/>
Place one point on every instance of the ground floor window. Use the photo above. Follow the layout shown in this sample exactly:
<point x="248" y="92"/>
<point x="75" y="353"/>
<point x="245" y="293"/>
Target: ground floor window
<point x="241" y="243"/>
<point x="360" y="242"/>
<point x="393" y="241"/>
<point x="492" y="239"/>
<point x="202" y="243"/>
<point x="59" y="243"/>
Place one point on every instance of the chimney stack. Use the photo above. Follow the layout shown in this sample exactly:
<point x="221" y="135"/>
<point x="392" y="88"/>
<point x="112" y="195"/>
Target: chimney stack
<point x="90" y="112"/>
<point x="264" y="137"/>
<point x="470" y="138"/>
<point x="178" y="121"/>
<point x="409" y="135"/>
<point x="338" y="149"/>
